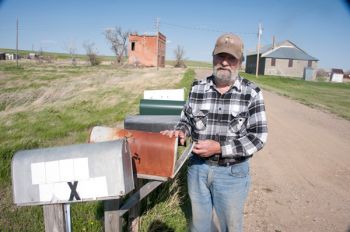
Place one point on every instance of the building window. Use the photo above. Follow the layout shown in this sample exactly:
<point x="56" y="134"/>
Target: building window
<point x="273" y="61"/>
<point x="309" y="63"/>
<point x="132" y="46"/>
<point x="290" y="63"/>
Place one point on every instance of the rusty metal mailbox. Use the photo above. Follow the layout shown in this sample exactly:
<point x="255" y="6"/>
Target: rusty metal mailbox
<point x="153" y="154"/>
<point x="75" y="173"/>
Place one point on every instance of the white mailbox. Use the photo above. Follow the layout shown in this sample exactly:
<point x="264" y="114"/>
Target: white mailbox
<point x="83" y="172"/>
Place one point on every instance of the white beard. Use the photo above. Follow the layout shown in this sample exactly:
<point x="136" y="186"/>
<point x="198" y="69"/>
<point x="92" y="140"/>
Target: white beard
<point x="224" y="77"/>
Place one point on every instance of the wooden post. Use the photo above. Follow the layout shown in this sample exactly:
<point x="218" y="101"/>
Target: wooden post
<point x="134" y="212"/>
<point x="54" y="218"/>
<point x="113" y="222"/>
<point x="258" y="51"/>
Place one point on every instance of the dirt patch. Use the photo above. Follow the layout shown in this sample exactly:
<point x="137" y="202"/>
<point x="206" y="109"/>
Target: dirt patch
<point x="301" y="178"/>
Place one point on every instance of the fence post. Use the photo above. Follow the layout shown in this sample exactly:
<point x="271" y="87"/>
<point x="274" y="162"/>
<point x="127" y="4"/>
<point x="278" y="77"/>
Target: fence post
<point x="54" y="218"/>
<point x="113" y="222"/>
<point x="134" y="212"/>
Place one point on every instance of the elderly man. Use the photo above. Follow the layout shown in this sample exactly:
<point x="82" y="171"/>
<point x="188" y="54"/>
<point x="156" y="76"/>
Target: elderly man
<point x="225" y="116"/>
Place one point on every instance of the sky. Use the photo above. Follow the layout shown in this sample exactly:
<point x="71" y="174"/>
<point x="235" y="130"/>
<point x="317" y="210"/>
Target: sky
<point x="319" y="27"/>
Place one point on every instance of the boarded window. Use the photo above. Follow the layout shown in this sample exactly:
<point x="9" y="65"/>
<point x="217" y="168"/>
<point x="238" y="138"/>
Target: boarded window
<point x="309" y="63"/>
<point x="132" y="46"/>
<point x="273" y="61"/>
<point x="290" y="63"/>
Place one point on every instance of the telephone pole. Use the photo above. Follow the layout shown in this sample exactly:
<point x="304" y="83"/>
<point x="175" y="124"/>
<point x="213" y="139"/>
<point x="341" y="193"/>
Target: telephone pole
<point x="17" y="43"/>
<point x="157" y="50"/>
<point x="258" y="50"/>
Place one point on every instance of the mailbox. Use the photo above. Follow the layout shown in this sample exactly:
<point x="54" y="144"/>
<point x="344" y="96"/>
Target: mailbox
<point x="151" y="123"/>
<point x="74" y="173"/>
<point x="154" y="155"/>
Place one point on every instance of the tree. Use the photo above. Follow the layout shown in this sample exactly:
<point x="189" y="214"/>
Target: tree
<point x="179" y="56"/>
<point x="91" y="53"/>
<point x="118" y="40"/>
<point x="321" y="73"/>
<point x="71" y="49"/>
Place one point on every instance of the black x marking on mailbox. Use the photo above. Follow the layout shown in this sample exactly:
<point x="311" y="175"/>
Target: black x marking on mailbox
<point x="73" y="193"/>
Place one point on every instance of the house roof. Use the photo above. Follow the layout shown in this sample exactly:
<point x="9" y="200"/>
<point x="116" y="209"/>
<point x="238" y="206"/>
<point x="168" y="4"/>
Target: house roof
<point x="337" y="70"/>
<point x="284" y="50"/>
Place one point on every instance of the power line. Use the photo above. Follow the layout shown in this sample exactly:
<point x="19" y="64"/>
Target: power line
<point x="198" y="28"/>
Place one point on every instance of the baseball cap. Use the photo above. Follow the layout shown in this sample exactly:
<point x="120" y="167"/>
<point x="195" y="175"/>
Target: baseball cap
<point x="231" y="44"/>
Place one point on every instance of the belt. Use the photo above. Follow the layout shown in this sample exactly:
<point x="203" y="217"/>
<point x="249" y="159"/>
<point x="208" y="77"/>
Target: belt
<point x="213" y="161"/>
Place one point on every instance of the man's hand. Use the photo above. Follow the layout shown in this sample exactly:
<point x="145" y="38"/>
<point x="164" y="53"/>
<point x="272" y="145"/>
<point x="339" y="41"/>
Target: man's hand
<point x="206" y="148"/>
<point x="175" y="133"/>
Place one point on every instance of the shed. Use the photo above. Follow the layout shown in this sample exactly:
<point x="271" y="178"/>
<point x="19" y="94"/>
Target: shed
<point x="337" y="75"/>
<point x="2" y="56"/>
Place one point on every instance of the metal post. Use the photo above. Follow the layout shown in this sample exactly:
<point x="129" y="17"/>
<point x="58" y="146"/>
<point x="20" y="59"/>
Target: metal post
<point x="67" y="217"/>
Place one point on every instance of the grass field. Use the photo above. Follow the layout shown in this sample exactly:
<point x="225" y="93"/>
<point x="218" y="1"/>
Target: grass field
<point x="332" y="97"/>
<point x="43" y="105"/>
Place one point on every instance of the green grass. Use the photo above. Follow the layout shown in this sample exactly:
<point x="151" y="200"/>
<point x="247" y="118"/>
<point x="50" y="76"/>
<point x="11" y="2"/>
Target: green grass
<point x="333" y="97"/>
<point x="45" y="105"/>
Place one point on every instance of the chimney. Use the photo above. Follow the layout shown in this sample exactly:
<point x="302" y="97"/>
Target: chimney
<point x="273" y="42"/>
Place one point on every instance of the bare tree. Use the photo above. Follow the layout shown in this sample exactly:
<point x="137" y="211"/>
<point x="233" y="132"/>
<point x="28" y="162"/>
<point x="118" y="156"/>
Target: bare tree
<point x="321" y="73"/>
<point x="91" y="53"/>
<point x="179" y="56"/>
<point x="118" y="40"/>
<point x="71" y="49"/>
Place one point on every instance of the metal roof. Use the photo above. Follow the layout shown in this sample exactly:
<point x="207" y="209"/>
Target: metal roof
<point x="283" y="50"/>
<point x="288" y="53"/>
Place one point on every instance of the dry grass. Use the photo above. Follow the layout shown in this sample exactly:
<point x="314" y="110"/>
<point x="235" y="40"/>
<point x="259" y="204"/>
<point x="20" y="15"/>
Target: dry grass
<point x="24" y="94"/>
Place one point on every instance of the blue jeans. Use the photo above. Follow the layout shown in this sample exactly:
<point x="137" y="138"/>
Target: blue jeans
<point x="224" y="189"/>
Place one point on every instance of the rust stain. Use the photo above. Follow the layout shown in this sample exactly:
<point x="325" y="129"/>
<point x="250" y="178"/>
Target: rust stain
<point x="152" y="153"/>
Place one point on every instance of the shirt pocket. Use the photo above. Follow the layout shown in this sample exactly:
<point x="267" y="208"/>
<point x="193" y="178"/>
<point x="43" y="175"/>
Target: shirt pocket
<point x="238" y="122"/>
<point x="200" y="118"/>
<point x="240" y="170"/>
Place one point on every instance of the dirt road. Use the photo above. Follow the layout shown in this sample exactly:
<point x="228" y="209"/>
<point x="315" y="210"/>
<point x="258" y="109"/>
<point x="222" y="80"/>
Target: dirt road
<point x="301" y="179"/>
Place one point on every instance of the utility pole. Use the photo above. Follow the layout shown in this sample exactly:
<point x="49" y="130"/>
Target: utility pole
<point x="17" y="43"/>
<point x="157" y="27"/>
<point x="258" y="50"/>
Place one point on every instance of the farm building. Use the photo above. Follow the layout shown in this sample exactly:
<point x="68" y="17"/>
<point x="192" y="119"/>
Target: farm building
<point x="147" y="50"/>
<point x="282" y="59"/>
<point x="2" y="56"/>
<point x="337" y="75"/>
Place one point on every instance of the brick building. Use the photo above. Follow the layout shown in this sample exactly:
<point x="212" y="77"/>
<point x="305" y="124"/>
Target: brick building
<point x="142" y="50"/>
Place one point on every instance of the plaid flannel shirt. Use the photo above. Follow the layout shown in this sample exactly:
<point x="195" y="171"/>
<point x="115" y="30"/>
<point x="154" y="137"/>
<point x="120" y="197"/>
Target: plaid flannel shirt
<point x="235" y="119"/>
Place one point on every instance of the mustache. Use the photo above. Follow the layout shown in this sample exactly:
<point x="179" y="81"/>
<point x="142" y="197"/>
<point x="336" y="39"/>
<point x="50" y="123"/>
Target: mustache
<point x="221" y="68"/>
